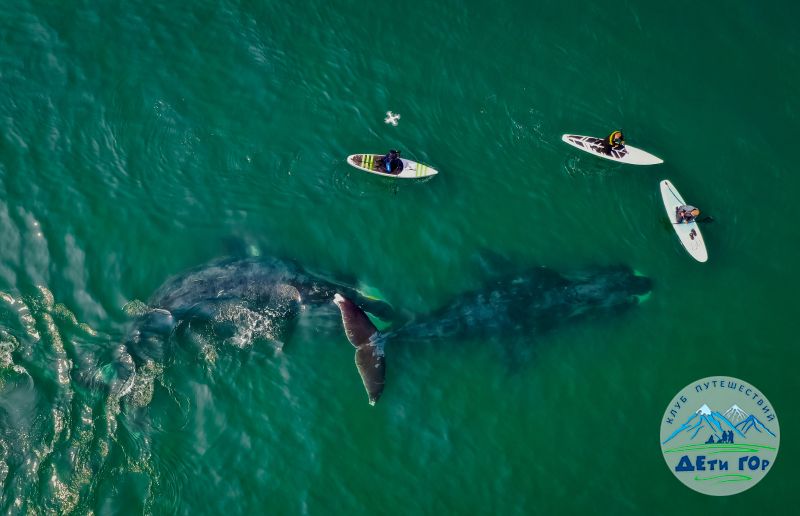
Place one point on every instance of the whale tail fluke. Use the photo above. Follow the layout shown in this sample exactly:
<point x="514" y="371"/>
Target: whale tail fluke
<point x="368" y="341"/>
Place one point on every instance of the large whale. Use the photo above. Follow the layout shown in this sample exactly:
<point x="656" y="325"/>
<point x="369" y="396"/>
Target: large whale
<point x="235" y="300"/>
<point x="532" y="302"/>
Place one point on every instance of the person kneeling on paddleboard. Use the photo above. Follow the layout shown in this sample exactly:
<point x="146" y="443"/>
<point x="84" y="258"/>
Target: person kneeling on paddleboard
<point x="613" y="142"/>
<point x="686" y="214"/>
<point x="391" y="163"/>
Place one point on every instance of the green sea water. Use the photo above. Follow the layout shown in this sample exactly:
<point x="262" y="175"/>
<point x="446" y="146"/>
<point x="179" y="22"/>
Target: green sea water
<point x="141" y="139"/>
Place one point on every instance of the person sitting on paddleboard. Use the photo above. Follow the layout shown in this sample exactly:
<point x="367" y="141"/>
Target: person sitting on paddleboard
<point x="613" y="142"/>
<point x="686" y="213"/>
<point x="391" y="163"/>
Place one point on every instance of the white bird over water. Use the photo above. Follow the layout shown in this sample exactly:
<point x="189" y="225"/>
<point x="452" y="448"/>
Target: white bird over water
<point x="391" y="118"/>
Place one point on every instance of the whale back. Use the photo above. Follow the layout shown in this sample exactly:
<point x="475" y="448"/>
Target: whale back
<point x="531" y="302"/>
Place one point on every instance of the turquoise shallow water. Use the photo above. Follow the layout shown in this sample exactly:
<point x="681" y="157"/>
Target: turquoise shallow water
<point x="139" y="141"/>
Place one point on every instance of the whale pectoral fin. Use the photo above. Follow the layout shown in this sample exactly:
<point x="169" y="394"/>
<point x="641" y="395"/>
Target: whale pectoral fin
<point x="372" y="368"/>
<point x="363" y="335"/>
<point x="357" y="326"/>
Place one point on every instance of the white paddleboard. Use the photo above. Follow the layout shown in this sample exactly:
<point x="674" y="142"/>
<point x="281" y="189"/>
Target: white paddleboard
<point x="411" y="169"/>
<point x="629" y="155"/>
<point x="689" y="234"/>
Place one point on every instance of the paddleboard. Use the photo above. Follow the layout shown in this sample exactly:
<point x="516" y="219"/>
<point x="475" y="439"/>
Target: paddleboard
<point x="370" y="163"/>
<point x="689" y="234"/>
<point x="629" y="155"/>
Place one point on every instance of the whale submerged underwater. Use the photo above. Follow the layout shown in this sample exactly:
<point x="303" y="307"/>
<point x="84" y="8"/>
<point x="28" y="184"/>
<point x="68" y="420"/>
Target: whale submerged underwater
<point x="265" y="297"/>
<point x="531" y="302"/>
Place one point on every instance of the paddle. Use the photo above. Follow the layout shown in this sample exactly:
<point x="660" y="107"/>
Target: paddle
<point x="707" y="219"/>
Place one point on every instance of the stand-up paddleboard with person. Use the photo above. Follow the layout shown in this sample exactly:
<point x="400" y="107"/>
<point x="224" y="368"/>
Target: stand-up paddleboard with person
<point x="683" y="218"/>
<point x="613" y="148"/>
<point x="390" y="165"/>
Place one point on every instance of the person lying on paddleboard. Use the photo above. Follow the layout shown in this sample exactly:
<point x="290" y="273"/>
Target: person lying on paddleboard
<point x="613" y="142"/>
<point x="391" y="163"/>
<point x="686" y="214"/>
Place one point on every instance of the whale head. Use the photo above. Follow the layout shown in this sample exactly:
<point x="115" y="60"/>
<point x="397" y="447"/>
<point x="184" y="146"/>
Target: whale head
<point x="609" y="288"/>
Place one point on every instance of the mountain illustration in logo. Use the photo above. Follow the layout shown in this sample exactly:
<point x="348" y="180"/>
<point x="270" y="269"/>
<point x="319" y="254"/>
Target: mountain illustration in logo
<point x="714" y="425"/>
<point x="735" y="414"/>
<point x="752" y="422"/>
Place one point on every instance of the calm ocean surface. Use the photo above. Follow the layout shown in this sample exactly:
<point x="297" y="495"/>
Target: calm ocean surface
<point x="141" y="139"/>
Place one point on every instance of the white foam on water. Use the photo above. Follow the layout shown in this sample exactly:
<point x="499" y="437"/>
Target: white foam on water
<point x="250" y="324"/>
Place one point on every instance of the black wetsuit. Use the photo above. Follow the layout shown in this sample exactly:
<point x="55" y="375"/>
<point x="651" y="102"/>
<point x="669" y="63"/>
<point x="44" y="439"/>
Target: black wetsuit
<point x="395" y="164"/>
<point x="684" y="213"/>
<point x="606" y="146"/>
